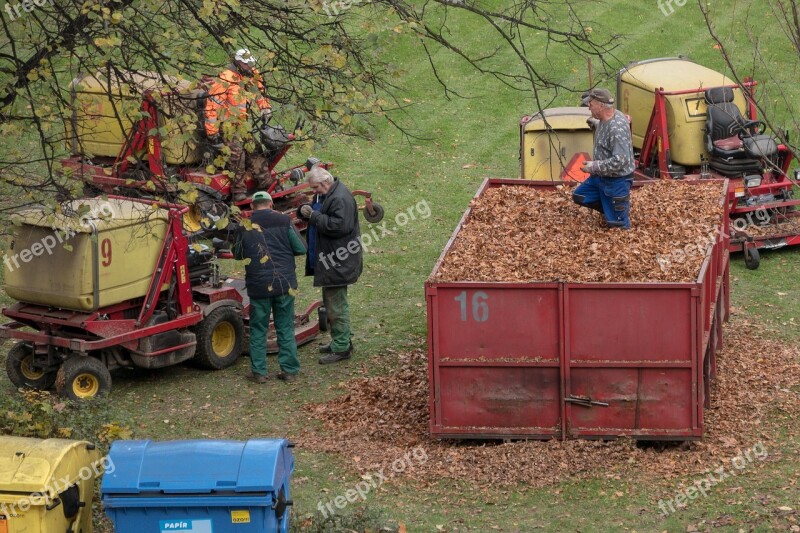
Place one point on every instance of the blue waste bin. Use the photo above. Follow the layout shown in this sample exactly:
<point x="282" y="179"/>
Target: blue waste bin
<point x="199" y="486"/>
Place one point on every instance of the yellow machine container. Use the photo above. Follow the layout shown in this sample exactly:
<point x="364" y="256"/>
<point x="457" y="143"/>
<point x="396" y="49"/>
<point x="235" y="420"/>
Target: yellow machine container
<point x="103" y="112"/>
<point x="96" y="252"/>
<point x="686" y="113"/>
<point x="549" y="140"/>
<point x="46" y="486"/>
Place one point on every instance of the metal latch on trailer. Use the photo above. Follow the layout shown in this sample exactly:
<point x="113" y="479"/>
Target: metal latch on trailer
<point x="584" y="401"/>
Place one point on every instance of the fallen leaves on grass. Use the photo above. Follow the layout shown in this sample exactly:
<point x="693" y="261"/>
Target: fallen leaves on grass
<point x="382" y="419"/>
<point x="524" y="233"/>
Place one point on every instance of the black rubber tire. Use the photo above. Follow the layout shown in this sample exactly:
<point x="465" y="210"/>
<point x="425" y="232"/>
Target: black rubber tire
<point x="230" y="321"/>
<point x="322" y="315"/>
<point x="83" y="377"/>
<point x="21" y="374"/>
<point x="752" y="259"/>
<point x="198" y="219"/>
<point x="377" y="217"/>
<point x="210" y="206"/>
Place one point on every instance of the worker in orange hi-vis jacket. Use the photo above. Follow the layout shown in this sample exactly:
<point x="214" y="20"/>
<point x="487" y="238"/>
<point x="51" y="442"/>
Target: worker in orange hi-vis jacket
<point x="226" y="107"/>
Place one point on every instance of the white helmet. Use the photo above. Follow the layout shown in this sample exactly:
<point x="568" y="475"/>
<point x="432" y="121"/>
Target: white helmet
<point x="244" y="55"/>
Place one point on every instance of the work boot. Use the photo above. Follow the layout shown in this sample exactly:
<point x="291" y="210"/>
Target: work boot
<point x="335" y="357"/>
<point x="327" y="348"/>
<point x="285" y="376"/>
<point x="256" y="378"/>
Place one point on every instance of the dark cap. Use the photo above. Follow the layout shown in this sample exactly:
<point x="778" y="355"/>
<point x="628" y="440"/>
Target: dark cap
<point x="601" y="95"/>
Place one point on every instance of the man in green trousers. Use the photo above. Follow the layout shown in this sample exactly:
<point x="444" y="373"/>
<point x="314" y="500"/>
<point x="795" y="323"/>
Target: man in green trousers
<point x="270" y="243"/>
<point x="337" y="256"/>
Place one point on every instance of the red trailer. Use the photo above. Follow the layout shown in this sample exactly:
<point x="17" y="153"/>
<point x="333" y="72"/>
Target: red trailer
<point x="535" y="360"/>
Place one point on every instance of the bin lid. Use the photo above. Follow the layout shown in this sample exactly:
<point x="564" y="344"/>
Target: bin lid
<point x="672" y="74"/>
<point x="136" y="83"/>
<point x="197" y="466"/>
<point x="30" y="465"/>
<point x="81" y="216"/>
<point x="559" y="118"/>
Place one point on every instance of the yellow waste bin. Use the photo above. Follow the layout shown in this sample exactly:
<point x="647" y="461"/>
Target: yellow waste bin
<point x="105" y="112"/>
<point x="686" y="113"/>
<point x="550" y="139"/>
<point x="47" y="485"/>
<point x="102" y="253"/>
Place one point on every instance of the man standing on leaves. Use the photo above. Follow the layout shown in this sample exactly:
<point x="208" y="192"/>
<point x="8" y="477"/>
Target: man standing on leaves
<point x="608" y="187"/>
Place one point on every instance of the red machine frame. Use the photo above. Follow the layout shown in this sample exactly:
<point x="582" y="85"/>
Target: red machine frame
<point x="84" y="332"/>
<point x="654" y="162"/>
<point x="108" y="177"/>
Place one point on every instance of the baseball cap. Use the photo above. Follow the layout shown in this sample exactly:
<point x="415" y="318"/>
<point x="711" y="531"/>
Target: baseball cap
<point x="261" y="195"/>
<point x="599" y="94"/>
<point x="244" y="55"/>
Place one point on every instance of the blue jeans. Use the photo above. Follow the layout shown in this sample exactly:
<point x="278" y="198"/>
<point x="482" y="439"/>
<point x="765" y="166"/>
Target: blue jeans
<point x="610" y="196"/>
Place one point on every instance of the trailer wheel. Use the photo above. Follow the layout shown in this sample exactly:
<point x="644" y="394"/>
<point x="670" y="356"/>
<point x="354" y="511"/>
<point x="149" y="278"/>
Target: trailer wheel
<point x="377" y="217"/>
<point x="83" y="377"/>
<point x="21" y="372"/>
<point x="752" y="258"/>
<point x="219" y="339"/>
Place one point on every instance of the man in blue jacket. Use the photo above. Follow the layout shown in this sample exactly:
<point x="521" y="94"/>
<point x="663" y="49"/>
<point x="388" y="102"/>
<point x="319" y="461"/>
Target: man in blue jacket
<point x="270" y="243"/>
<point x="338" y="256"/>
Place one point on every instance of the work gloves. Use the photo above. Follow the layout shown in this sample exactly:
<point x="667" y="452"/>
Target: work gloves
<point x="305" y="211"/>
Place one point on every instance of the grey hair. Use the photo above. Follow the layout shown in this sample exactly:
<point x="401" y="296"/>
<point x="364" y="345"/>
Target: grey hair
<point x="607" y="106"/>
<point x="319" y="175"/>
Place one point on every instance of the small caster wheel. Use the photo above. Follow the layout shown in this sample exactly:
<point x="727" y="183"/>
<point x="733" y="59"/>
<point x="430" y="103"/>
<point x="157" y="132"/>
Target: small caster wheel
<point x="377" y="217"/>
<point x="751" y="258"/>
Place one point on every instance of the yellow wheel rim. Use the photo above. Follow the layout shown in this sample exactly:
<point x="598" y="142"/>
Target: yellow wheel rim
<point x="28" y="371"/>
<point x="223" y="339"/>
<point x="85" y="386"/>
<point x="191" y="219"/>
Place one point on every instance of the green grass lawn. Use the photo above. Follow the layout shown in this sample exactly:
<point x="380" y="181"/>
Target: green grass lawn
<point x="456" y="143"/>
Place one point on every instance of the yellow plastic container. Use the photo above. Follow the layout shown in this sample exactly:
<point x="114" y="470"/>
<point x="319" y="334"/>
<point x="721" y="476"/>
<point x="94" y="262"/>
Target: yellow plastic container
<point x="101" y="123"/>
<point x="101" y="254"/>
<point x="47" y="485"/>
<point x="547" y="147"/>
<point x="686" y="113"/>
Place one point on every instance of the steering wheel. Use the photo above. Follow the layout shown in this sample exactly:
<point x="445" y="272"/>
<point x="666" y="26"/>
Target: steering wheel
<point x="745" y="129"/>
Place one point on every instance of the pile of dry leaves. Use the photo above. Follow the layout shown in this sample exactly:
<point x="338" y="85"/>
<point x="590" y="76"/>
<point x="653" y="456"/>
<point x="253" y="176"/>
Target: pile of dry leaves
<point x="790" y="226"/>
<point x="380" y="420"/>
<point x="516" y="233"/>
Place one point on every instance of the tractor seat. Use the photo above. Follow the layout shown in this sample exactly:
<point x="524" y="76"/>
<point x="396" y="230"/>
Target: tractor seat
<point x="729" y="135"/>
<point x="737" y="145"/>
